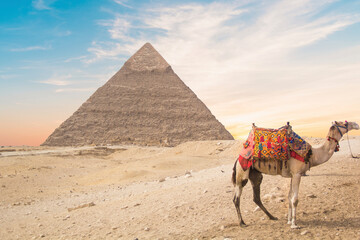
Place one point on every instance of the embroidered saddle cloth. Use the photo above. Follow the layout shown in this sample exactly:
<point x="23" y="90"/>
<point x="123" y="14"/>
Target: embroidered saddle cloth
<point x="273" y="145"/>
<point x="299" y="145"/>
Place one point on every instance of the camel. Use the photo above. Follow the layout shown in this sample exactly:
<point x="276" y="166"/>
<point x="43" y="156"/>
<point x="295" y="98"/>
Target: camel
<point x="294" y="170"/>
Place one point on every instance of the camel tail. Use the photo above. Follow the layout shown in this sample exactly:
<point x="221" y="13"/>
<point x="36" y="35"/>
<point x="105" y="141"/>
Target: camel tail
<point x="233" y="178"/>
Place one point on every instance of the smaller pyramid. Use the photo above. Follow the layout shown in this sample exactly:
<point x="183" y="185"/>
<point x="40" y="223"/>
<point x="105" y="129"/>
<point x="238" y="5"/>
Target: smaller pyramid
<point x="144" y="103"/>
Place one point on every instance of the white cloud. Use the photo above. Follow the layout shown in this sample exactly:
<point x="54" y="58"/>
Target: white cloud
<point x="57" y="80"/>
<point x="30" y="48"/>
<point x="219" y="33"/>
<point x="40" y="5"/>
<point x="108" y="50"/>
<point x="75" y="58"/>
<point x="75" y="90"/>
<point x="122" y="3"/>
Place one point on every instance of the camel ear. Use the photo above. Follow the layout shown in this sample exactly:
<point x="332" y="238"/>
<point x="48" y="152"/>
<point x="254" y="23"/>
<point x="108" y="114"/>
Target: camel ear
<point x="336" y="122"/>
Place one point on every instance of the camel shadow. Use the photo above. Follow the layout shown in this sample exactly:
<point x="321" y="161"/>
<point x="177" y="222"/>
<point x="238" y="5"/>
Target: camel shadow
<point x="332" y="175"/>
<point x="353" y="223"/>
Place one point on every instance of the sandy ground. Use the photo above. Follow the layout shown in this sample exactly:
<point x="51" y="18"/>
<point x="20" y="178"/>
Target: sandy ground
<point x="127" y="192"/>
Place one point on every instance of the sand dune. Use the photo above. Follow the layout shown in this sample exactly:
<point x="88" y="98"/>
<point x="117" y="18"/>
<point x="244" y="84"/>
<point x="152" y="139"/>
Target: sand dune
<point x="128" y="192"/>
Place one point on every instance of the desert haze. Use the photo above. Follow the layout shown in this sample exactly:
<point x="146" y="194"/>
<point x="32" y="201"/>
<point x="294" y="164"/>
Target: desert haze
<point x="182" y="192"/>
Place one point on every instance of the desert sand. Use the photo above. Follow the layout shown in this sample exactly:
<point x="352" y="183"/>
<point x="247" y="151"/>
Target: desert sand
<point x="182" y="192"/>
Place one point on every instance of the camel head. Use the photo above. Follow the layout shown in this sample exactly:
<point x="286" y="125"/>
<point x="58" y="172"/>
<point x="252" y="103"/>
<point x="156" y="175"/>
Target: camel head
<point x="353" y="126"/>
<point x="338" y="129"/>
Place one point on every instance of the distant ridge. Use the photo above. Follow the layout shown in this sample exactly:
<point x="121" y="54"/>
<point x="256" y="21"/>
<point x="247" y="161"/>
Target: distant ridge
<point x="144" y="103"/>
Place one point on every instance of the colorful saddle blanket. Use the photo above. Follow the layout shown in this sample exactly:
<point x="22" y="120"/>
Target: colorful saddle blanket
<point x="273" y="144"/>
<point x="299" y="145"/>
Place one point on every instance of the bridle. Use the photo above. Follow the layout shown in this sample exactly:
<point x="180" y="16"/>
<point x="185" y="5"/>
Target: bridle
<point x="337" y="148"/>
<point x="345" y="127"/>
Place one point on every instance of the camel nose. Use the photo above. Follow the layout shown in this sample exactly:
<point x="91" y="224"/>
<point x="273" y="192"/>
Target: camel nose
<point x="356" y="126"/>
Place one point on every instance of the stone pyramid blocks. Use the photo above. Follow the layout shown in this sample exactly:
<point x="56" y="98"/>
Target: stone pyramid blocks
<point x="144" y="103"/>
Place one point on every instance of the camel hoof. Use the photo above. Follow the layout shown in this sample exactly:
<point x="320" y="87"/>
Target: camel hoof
<point x="295" y="227"/>
<point x="273" y="218"/>
<point x="242" y="224"/>
<point x="289" y="222"/>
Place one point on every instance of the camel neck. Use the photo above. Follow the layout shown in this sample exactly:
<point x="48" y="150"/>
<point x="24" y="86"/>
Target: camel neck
<point x="323" y="153"/>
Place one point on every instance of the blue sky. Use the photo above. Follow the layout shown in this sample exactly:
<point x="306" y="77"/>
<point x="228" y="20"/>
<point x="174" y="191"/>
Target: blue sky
<point x="250" y="61"/>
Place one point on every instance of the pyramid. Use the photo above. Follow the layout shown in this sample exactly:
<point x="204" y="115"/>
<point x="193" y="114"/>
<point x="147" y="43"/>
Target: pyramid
<point x="144" y="103"/>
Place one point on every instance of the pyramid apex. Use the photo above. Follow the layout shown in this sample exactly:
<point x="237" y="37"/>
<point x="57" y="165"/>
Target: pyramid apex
<point x="146" y="59"/>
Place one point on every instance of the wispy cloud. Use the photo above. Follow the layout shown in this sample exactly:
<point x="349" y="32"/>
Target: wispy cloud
<point x="221" y="30"/>
<point x="75" y="59"/>
<point x="119" y="29"/>
<point x="8" y="76"/>
<point x="237" y="56"/>
<point x="75" y="90"/>
<point x="63" y="33"/>
<point x="41" y="5"/>
<point x="30" y="48"/>
<point x="57" y="80"/>
<point x="122" y="3"/>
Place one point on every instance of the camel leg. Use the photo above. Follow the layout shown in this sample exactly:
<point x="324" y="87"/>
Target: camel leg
<point x="236" y="200"/>
<point x="290" y="205"/>
<point x="239" y="182"/>
<point x="295" y="183"/>
<point x="256" y="179"/>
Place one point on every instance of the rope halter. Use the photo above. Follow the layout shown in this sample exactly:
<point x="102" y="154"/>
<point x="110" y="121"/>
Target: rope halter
<point x="337" y="126"/>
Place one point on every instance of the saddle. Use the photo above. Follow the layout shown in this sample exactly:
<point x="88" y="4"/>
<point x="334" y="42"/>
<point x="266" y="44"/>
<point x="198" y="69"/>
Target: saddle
<point x="266" y="144"/>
